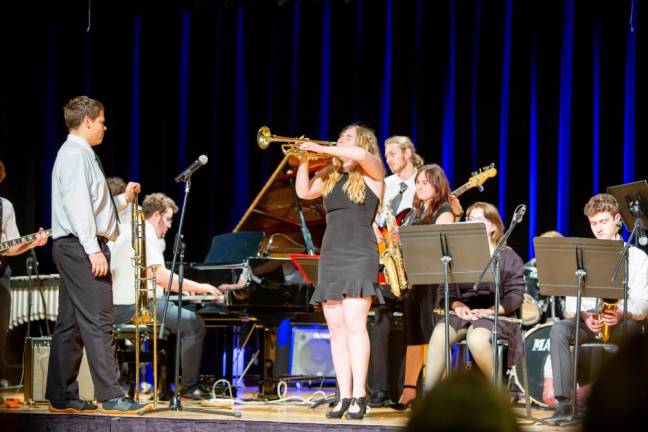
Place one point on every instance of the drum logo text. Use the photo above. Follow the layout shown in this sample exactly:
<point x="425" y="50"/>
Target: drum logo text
<point x="541" y="345"/>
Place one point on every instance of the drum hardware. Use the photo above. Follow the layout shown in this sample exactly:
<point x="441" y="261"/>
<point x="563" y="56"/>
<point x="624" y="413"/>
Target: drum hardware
<point x="537" y="345"/>
<point x="530" y="311"/>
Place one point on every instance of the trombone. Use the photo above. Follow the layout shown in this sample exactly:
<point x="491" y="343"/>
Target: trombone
<point x="290" y="145"/>
<point x="145" y="296"/>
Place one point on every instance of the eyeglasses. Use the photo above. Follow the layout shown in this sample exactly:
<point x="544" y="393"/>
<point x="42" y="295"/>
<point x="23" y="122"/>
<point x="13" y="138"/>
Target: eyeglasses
<point x="476" y="219"/>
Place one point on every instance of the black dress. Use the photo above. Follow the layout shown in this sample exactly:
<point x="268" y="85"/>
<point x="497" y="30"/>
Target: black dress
<point x="419" y="301"/>
<point x="348" y="265"/>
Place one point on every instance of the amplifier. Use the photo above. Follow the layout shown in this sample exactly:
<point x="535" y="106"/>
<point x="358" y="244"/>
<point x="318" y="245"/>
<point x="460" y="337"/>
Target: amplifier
<point x="37" y="351"/>
<point x="311" y="352"/>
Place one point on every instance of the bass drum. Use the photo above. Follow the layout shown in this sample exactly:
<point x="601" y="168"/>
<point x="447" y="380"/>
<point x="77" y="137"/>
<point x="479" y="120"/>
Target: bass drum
<point x="536" y="344"/>
<point x="530" y="311"/>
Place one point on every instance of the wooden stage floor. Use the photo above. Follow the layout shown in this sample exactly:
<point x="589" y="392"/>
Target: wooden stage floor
<point x="284" y="416"/>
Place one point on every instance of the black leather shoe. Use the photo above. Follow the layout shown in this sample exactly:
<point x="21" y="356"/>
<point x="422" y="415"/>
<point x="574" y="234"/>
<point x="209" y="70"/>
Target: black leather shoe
<point x="196" y="393"/>
<point x="336" y="414"/>
<point x="562" y="413"/>
<point x="123" y="405"/>
<point x="359" y="415"/>
<point x="379" y="399"/>
<point x="71" y="406"/>
<point x="402" y="406"/>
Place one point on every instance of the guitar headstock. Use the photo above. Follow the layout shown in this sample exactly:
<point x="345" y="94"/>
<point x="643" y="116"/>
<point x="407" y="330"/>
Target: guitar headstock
<point x="478" y="178"/>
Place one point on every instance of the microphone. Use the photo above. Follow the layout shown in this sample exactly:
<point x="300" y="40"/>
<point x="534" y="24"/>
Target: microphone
<point x="519" y="212"/>
<point x="186" y="174"/>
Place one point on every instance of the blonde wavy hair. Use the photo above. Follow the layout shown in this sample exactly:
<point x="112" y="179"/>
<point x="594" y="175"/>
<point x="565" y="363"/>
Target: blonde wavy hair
<point x="355" y="186"/>
<point x="405" y="143"/>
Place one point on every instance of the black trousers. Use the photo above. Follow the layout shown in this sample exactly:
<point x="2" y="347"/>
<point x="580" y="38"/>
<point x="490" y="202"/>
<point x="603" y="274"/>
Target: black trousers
<point x="562" y="336"/>
<point x="85" y="318"/>
<point x="379" y="348"/>
<point x="5" y="314"/>
<point x="191" y="331"/>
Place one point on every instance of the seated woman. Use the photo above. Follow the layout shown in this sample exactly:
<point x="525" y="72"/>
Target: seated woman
<point x="469" y="304"/>
<point x="431" y="206"/>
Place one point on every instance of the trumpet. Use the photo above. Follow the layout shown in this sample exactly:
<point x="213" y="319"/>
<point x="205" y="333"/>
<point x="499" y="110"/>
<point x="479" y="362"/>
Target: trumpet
<point x="290" y="145"/>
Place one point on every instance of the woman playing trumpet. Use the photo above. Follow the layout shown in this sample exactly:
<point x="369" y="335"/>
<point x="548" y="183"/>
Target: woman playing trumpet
<point x="352" y="186"/>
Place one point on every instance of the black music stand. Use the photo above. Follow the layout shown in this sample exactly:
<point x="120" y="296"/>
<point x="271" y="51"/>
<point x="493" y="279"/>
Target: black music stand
<point x="579" y="267"/>
<point x="633" y="207"/>
<point x="445" y="254"/>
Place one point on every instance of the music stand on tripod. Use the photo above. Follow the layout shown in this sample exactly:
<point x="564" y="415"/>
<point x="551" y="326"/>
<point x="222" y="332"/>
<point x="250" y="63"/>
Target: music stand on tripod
<point x="445" y="254"/>
<point x="578" y="267"/>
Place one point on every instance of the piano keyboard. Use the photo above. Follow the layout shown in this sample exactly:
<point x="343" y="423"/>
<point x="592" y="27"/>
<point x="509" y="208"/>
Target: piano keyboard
<point x="194" y="298"/>
<point x="20" y="299"/>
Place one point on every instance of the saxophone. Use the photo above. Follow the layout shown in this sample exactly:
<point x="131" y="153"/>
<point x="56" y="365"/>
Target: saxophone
<point x="603" y="306"/>
<point x="392" y="258"/>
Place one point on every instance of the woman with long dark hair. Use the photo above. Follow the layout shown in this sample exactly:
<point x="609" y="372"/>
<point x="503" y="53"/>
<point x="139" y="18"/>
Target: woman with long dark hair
<point x="431" y="206"/>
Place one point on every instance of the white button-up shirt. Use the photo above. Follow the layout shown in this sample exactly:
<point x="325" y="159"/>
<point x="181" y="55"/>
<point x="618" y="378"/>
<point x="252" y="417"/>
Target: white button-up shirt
<point x="637" y="288"/>
<point x="80" y="196"/>
<point x="392" y="187"/>
<point x="9" y="229"/>
<point x="121" y="263"/>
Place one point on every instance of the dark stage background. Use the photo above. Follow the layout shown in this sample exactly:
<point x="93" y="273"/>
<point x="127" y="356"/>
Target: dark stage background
<point x="549" y="90"/>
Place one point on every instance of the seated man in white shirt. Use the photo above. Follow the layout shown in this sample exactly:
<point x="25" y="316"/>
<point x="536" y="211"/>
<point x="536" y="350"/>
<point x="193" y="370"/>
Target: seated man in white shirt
<point x="158" y="212"/>
<point x="602" y="210"/>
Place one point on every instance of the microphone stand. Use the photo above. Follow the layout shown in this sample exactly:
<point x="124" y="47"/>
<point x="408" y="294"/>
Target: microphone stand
<point x="175" y="404"/>
<point x="624" y="258"/>
<point x="494" y="264"/>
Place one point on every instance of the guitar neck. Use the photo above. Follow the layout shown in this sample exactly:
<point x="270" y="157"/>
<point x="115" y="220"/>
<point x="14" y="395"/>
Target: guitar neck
<point x="461" y="189"/>
<point x="21" y="240"/>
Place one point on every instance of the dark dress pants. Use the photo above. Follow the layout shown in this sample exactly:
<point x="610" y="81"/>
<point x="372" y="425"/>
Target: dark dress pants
<point x="562" y="336"/>
<point x="85" y="318"/>
<point x="5" y="314"/>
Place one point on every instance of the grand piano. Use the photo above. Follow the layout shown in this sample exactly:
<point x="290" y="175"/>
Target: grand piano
<point x="276" y="228"/>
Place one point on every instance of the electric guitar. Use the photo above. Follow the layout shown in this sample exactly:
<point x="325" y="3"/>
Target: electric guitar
<point x="17" y="242"/>
<point x="476" y="180"/>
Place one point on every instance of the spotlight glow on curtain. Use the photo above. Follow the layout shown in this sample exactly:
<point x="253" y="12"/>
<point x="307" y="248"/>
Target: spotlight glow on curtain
<point x="504" y="108"/>
<point x="387" y="74"/>
<point x="135" y="104"/>
<point x="564" y="124"/>
<point x="449" y="103"/>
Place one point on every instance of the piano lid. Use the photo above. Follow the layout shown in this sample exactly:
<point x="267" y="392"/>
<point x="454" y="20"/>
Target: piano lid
<point x="274" y="210"/>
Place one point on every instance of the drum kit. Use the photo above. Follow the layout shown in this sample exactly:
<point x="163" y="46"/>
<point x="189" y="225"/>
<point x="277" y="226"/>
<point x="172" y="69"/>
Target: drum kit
<point x="538" y="316"/>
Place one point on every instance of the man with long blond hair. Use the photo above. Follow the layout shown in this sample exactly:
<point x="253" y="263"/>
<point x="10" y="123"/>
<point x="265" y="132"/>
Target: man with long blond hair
<point x="352" y="187"/>
<point x="403" y="161"/>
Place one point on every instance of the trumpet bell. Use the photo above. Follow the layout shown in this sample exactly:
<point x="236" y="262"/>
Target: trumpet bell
<point x="263" y="137"/>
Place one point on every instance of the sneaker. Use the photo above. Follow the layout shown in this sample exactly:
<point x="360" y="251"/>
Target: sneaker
<point x="77" y="406"/>
<point x="123" y="405"/>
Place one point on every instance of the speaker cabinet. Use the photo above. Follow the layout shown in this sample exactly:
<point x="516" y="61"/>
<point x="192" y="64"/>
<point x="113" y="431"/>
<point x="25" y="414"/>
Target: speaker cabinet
<point x="37" y="351"/>
<point x="311" y="352"/>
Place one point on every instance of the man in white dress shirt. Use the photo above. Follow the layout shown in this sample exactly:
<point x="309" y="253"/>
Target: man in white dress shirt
<point x="602" y="211"/>
<point x="9" y="231"/>
<point x="84" y="219"/>
<point x="158" y="212"/>
<point x="403" y="162"/>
